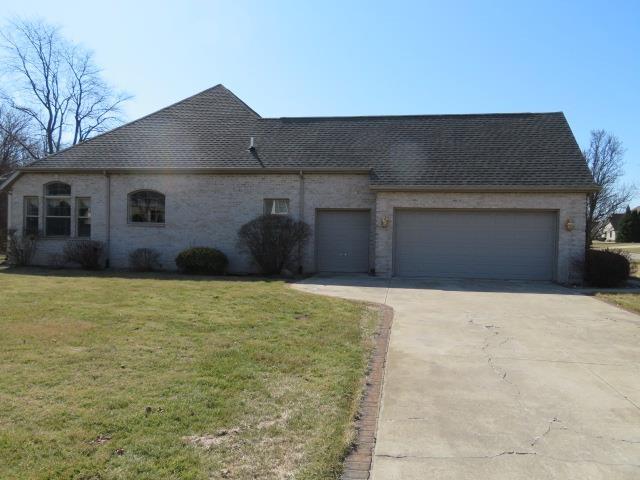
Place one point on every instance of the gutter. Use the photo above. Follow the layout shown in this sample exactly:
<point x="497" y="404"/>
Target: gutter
<point x="297" y="171"/>
<point x="487" y="188"/>
<point x="169" y="171"/>
<point x="9" y="180"/>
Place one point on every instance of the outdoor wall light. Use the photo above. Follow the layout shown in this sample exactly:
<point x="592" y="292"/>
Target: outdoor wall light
<point x="384" y="222"/>
<point x="569" y="225"/>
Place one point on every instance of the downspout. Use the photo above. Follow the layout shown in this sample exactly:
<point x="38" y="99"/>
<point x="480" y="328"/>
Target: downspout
<point x="301" y="217"/>
<point x="108" y="217"/>
<point x="9" y="202"/>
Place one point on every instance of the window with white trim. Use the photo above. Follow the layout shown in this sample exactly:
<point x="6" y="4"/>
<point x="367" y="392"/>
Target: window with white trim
<point x="57" y="206"/>
<point x="146" y="206"/>
<point x="276" y="206"/>
<point x="83" y="216"/>
<point x="31" y="215"/>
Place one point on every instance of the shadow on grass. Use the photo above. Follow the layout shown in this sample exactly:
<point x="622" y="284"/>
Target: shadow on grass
<point x="128" y="274"/>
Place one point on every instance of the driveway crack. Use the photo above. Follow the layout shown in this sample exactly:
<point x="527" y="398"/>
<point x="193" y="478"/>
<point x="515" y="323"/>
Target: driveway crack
<point x="546" y="432"/>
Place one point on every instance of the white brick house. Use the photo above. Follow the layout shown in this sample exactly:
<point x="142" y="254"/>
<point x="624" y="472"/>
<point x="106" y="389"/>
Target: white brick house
<point x="491" y="196"/>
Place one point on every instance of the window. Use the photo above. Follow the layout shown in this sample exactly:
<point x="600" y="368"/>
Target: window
<point x="83" y="215"/>
<point x="146" y="206"/>
<point x="31" y="215"/>
<point x="57" y="209"/>
<point x="58" y="189"/>
<point x="276" y="206"/>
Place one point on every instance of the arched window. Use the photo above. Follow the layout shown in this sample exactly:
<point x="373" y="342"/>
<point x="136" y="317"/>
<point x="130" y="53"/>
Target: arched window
<point x="146" y="206"/>
<point x="57" y="209"/>
<point x="57" y="189"/>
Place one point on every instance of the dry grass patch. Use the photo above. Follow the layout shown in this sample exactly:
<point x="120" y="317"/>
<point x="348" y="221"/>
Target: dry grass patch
<point x="628" y="301"/>
<point x="148" y="377"/>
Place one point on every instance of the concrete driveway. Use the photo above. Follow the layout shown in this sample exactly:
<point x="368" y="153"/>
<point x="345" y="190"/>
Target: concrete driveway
<point x="502" y="380"/>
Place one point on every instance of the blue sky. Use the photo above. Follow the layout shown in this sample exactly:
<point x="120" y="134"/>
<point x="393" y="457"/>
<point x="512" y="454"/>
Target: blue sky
<point x="291" y="58"/>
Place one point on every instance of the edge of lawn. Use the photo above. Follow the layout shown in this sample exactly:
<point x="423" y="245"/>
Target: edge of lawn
<point x="358" y="440"/>
<point x="610" y="298"/>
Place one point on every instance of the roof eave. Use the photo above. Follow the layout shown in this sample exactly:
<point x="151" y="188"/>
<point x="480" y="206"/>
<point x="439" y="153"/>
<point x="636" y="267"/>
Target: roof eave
<point x="169" y="171"/>
<point x="9" y="180"/>
<point x="489" y="188"/>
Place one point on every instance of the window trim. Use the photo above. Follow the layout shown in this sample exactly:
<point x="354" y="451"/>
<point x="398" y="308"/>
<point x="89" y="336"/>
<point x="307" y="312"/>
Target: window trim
<point x="78" y="217"/>
<point x="48" y="184"/>
<point x="45" y="215"/>
<point x="264" y="205"/>
<point x="26" y="215"/>
<point x="146" y="224"/>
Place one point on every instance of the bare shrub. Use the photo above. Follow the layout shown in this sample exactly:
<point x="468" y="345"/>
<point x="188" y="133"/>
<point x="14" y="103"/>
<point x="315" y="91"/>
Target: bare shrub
<point x="144" y="260"/>
<point x="607" y="268"/>
<point x="86" y="253"/>
<point x="21" y="249"/>
<point x="202" y="261"/>
<point x="272" y="240"/>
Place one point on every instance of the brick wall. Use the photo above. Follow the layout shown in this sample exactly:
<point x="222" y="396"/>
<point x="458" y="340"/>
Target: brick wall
<point x="209" y="209"/>
<point x="569" y="206"/>
<point x="200" y="209"/>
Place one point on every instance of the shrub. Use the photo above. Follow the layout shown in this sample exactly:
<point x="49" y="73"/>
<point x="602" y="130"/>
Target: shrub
<point x="202" y="260"/>
<point x="86" y="253"/>
<point x="606" y="268"/>
<point x="21" y="249"/>
<point x="271" y="240"/>
<point x="144" y="260"/>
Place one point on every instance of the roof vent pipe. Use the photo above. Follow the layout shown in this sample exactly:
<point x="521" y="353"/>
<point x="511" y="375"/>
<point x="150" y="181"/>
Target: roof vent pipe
<point x="252" y="145"/>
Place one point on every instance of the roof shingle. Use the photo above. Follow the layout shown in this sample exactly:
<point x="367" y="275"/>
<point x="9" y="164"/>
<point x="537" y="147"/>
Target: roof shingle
<point x="211" y="130"/>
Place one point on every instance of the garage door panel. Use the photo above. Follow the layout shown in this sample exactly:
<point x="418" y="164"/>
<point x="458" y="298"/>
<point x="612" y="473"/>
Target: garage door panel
<point x="342" y="238"/>
<point x="475" y="244"/>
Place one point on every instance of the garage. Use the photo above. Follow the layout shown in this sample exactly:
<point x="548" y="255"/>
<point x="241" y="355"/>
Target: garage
<point x="505" y="244"/>
<point x="342" y="241"/>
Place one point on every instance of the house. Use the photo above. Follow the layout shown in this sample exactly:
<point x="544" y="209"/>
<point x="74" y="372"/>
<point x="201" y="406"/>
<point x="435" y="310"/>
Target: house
<point x="478" y="196"/>
<point x="612" y="226"/>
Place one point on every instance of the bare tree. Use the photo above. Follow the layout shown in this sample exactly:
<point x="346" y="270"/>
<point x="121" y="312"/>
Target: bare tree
<point x="605" y="158"/>
<point x="18" y="144"/>
<point x="56" y="85"/>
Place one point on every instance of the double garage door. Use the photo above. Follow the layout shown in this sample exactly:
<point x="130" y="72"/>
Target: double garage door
<point x="505" y="244"/>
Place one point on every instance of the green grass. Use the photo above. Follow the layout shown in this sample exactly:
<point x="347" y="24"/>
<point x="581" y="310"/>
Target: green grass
<point x="105" y="376"/>
<point x="628" y="301"/>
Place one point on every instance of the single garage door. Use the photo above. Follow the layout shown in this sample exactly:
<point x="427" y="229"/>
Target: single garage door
<point x="505" y="244"/>
<point x="342" y="240"/>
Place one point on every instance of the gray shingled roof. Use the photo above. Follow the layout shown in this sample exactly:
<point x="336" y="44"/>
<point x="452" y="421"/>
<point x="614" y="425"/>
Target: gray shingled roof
<point x="211" y="130"/>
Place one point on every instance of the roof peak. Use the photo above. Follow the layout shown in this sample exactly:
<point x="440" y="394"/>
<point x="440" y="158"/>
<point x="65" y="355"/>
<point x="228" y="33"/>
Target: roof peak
<point x="419" y="116"/>
<point x="135" y="121"/>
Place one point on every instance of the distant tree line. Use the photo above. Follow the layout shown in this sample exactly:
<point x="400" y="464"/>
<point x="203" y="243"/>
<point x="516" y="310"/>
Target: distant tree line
<point x="629" y="227"/>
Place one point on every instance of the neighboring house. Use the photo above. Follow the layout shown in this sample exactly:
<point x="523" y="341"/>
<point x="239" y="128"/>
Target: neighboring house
<point x="487" y="195"/>
<point x="611" y="228"/>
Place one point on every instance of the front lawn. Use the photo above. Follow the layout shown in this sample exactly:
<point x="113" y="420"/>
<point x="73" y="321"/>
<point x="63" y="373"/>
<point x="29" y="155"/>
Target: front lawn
<point x="626" y="247"/>
<point x="628" y="301"/>
<point x="152" y="377"/>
